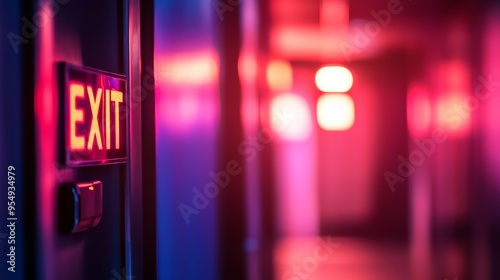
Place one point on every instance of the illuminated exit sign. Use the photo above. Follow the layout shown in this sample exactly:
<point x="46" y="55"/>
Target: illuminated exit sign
<point x="94" y="122"/>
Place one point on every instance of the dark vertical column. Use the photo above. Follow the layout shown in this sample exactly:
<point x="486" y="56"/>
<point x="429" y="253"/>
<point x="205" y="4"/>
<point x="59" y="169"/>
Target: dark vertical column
<point x="123" y="171"/>
<point x="133" y="196"/>
<point x="27" y="168"/>
<point x="232" y="219"/>
<point x="267" y="185"/>
<point x="477" y="244"/>
<point x="148" y="142"/>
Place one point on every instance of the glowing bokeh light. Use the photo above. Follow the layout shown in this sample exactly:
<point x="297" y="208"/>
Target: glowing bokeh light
<point x="279" y="75"/>
<point x="334" y="79"/>
<point x="290" y="117"/>
<point x="188" y="69"/>
<point x="335" y="111"/>
<point x="454" y="103"/>
<point x="453" y="113"/>
<point x="247" y="67"/>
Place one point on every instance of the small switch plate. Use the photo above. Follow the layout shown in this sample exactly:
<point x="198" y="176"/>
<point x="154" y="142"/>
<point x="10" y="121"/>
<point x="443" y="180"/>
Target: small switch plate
<point x="80" y="206"/>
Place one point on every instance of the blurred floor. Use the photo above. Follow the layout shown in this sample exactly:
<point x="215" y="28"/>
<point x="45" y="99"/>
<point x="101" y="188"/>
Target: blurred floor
<point x="340" y="258"/>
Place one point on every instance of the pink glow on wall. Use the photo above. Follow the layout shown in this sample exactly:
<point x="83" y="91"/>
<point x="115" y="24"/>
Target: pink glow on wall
<point x="247" y="69"/>
<point x="490" y="115"/>
<point x="334" y="15"/>
<point x="293" y="35"/>
<point x="347" y="196"/>
<point x="304" y="42"/>
<point x="247" y="66"/>
<point x="419" y="111"/>
<point x="454" y="75"/>
<point x="185" y="88"/>
<point x="420" y="222"/>
<point x="46" y="112"/>
<point x="296" y="161"/>
<point x="296" y="182"/>
<point x="184" y="110"/>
